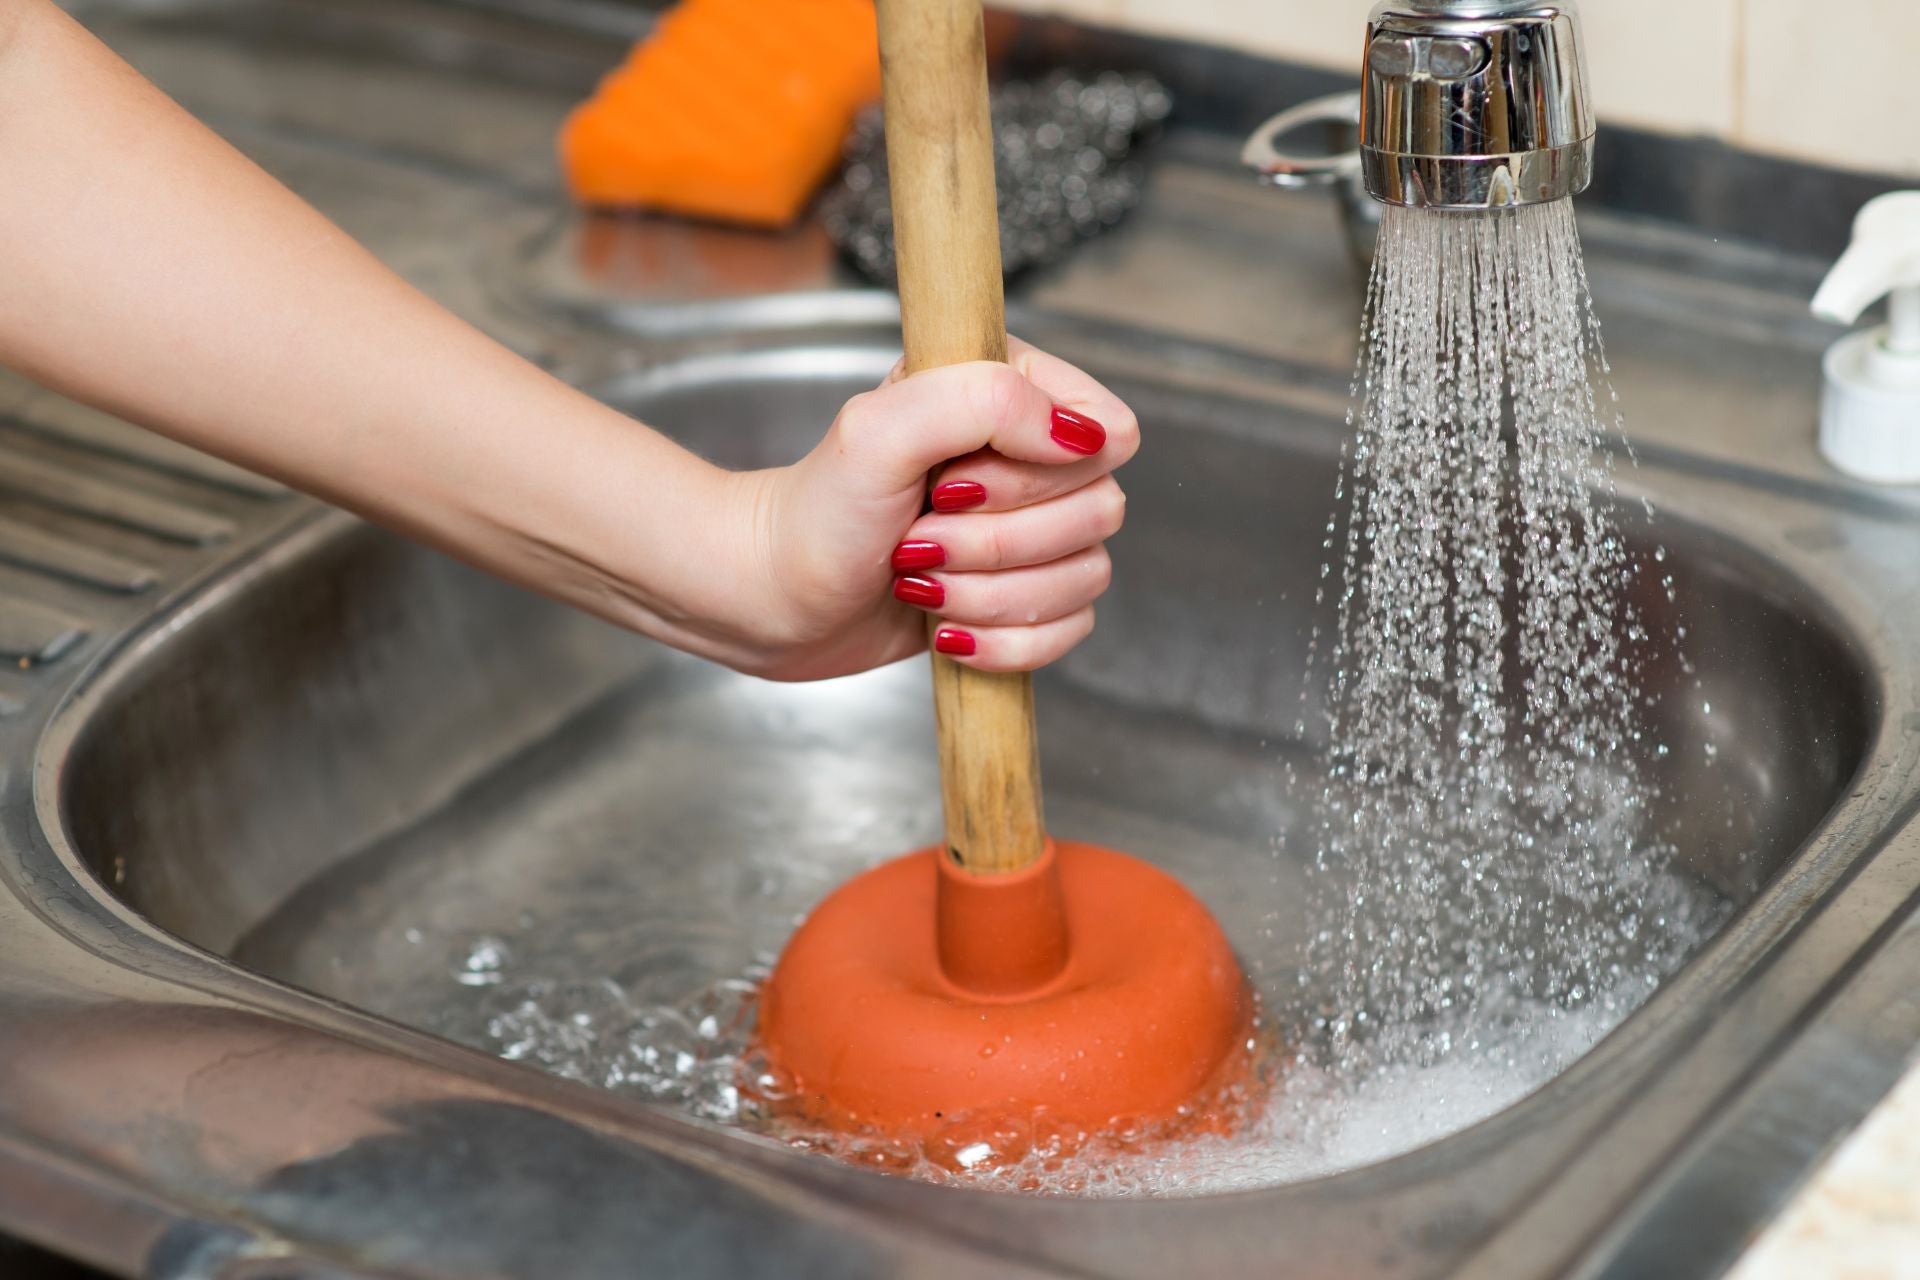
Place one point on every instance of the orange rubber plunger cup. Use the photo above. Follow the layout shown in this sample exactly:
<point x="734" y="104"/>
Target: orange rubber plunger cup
<point x="1096" y="989"/>
<point x="1005" y="974"/>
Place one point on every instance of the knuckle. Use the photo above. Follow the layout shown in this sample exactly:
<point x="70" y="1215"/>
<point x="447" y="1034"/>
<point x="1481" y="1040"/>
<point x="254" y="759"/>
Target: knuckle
<point x="1034" y="488"/>
<point x="859" y="423"/>
<point x="1113" y="509"/>
<point x="1022" y="650"/>
<point x="995" y="545"/>
<point x="1123" y="435"/>
<point x="1077" y="628"/>
<point x="1003" y="391"/>
<point x="1100" y="571"/>
<point x="991" y="603"/>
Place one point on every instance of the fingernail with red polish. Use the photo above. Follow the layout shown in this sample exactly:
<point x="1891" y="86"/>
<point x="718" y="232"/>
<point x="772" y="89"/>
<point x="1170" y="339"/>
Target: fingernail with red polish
<point x="1078" y="432"/>
<point x="918" y="555"/>
<point x="958" y="495"/>
<point x="954" y="642"/>
<point x="924" y="592"/>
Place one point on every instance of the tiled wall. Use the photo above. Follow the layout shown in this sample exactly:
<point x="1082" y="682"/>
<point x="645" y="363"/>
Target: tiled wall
<point x="1834" y="81"/>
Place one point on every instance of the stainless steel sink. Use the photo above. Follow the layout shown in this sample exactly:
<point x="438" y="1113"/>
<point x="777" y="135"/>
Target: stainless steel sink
<point x="343" y="736"/>
<point x="236" y="768"/>
<point x="383" y="747"/>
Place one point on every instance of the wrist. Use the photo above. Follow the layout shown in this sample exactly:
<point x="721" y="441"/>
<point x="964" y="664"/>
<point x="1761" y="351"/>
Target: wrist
<point x="615" y="519"/>
<point x="751" y="606"/>
<point x="708" y="578"/>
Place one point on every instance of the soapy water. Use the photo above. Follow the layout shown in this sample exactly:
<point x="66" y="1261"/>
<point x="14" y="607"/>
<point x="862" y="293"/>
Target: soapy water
<point x="1307" y="1116"/>
<point x="1490" y="896"/>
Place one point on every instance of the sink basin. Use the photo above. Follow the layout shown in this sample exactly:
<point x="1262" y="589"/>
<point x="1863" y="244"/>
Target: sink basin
<point x="284" y="795"/>
<point x="516" y="763"/>
<point x="460" y="756"/>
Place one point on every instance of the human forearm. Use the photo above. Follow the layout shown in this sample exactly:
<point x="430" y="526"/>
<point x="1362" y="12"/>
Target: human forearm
<point x="152" y="270"/>
<point x="147" y="268"/>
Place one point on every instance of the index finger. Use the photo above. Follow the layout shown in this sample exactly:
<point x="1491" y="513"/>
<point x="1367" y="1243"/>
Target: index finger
<point x="1080" y="391"/>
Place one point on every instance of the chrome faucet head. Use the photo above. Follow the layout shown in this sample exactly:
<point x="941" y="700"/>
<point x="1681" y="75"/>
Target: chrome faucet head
<point x="1475" y="104"/>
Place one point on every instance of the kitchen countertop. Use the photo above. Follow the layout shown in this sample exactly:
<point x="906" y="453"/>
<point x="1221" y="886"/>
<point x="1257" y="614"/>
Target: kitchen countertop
<point x="1859" y="1217"/>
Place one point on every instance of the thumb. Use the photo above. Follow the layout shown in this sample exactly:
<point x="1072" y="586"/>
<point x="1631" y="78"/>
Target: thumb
<point x="904" y="429"/>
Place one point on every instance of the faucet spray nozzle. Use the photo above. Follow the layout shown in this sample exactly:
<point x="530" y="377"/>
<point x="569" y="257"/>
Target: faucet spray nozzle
<point x="1472" y="104"/>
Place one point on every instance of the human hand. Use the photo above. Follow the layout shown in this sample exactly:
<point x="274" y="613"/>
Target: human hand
<point x="1011" y="558"/>
<point x="372" y="396"/>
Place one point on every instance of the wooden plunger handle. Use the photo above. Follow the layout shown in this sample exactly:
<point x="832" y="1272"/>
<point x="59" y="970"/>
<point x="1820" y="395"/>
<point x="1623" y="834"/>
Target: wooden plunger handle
<point x="946" y="226"/>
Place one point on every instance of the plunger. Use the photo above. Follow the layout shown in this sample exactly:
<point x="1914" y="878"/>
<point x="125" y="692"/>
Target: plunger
<point x="1004" y="974"/>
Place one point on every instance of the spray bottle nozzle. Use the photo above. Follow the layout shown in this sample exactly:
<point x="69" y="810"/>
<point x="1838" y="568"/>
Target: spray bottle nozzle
<point x="1870" y="410"/>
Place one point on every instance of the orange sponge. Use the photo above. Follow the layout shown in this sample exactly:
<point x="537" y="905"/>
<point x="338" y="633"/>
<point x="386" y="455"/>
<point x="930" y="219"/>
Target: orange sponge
<point x="731" y="109"/>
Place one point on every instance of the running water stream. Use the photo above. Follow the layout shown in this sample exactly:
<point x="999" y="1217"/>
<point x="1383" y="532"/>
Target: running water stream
<point x="1485" y="834"/>
<point x="1490" y="894"/>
